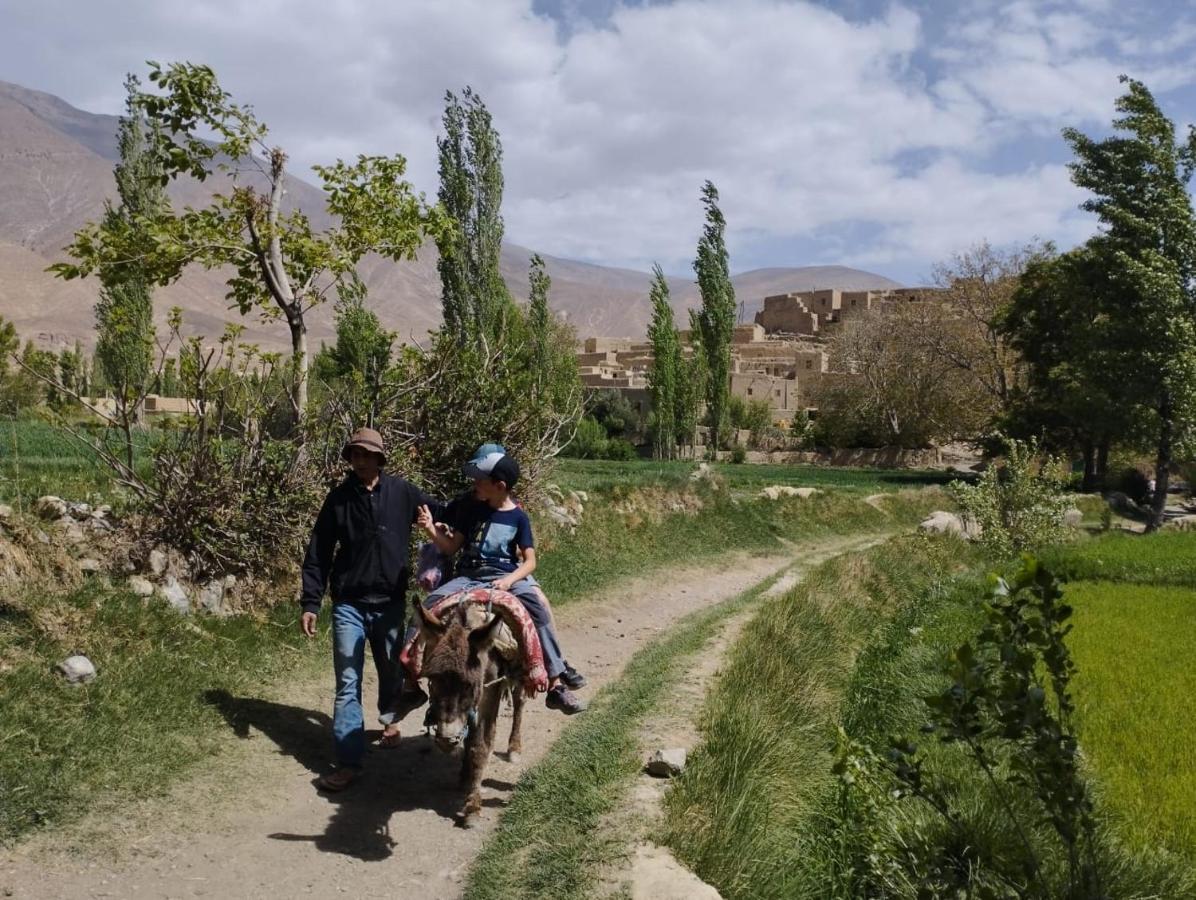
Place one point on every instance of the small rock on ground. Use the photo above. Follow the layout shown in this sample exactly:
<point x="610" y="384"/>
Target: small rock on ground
<point x="142" y="587"/>
<point x="77" y="669"/>
<point x="176" y="595"/>
<point x="50" y="507"/>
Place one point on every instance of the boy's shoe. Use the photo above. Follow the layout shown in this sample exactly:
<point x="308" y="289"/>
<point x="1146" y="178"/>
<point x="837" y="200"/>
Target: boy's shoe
<point x="572" y="679"/>
<point x="338" y="779"/>
<point x="410" y="699"/>
<point x="560" y="697"/>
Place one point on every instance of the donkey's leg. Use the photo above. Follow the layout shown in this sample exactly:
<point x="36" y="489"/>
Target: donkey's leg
<point x="477" y="753"/>
<point x="515" y="741"/>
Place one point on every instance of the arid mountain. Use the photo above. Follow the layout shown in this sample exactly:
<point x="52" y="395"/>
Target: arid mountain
<point x="56" y="173"/>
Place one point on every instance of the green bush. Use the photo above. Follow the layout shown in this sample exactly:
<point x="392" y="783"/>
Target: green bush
<point x="620" y="450"/>
<point x="738" y="454"/>
<point x="589" y="441"/>
<point x="1019" y="504"/>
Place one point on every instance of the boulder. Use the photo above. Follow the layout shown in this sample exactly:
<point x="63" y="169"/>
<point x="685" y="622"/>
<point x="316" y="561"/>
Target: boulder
<point x="79" y="511"/>
<point x="666" y="763"/>
<point x="71" y="530"/>
<point x="1121" y="504"/>
<point x="777" y="491"/>
<point x="140" y="586"/>
<point x="6" y="512"/>
<point x="157" y="561"/>
<point x="90" y="566"/>
<point x="175" y="594"/>
<point x="210" y="597"/>
<point x="1180" y="523"/>
<point x="77" y="670"/>
<point x="50" y="507"/>
<point x="582" y="496"/>
<point x="1073" y="517"/>
<point x="942" y="522"/>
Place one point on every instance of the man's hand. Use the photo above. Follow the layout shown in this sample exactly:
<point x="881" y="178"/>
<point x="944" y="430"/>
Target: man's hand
<point x="307" y="624"/>
<point x="424" y="520"/>
<point x="502" y="584"/>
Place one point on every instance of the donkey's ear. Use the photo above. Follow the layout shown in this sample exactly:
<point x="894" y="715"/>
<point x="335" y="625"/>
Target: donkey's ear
<point x="427" y="620"/>
<point x="482" y="637"/>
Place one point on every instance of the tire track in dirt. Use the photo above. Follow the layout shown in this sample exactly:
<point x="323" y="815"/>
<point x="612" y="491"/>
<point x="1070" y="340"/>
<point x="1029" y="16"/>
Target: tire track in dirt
<point x="250" y="823"/>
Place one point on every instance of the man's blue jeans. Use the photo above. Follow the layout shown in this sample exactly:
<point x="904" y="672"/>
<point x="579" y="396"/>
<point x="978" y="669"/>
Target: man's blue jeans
<point x="353" y="625"/>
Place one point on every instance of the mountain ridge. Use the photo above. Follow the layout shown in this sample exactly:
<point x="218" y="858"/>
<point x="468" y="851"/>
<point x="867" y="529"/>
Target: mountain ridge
<point x="56" y="174"/>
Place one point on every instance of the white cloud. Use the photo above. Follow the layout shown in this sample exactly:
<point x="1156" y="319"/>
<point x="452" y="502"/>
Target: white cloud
<point x="813" y="126"/>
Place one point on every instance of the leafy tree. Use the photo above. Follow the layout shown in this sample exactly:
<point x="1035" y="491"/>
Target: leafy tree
<point x="715" y="320"/>
<point x="666" y="368"/>
<point x="539" y="317"/>
<point x="1139" y="180"/>
<point x="359" y="360"/>
<point x="962" y="325"/>
<point x="280" y="265"/>
<point x="893" y="390"/>
<point x="1078" y="388"/>
<point x="473" y="294"/>
<point x="125" y="313"/>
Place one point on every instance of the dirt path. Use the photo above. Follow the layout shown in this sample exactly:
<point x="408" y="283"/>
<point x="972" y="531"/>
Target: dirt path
<point x="250" y="824"/>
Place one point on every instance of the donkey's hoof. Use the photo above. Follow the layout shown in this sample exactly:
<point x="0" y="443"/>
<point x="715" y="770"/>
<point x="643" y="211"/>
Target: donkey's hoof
<point x="467" y="819"/>
<point x="514" y="756"/>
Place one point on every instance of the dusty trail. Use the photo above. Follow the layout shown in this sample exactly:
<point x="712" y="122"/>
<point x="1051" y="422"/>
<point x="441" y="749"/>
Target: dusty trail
<point x="251" y="824"/>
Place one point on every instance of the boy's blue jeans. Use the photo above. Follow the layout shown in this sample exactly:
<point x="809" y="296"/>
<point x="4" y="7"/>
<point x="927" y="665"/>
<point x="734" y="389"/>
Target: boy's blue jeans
<point x="533" y="600"/>
<point x="354" y="625"/>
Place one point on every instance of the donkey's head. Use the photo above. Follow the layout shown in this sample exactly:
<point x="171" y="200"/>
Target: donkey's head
<point x="456" y="657"/>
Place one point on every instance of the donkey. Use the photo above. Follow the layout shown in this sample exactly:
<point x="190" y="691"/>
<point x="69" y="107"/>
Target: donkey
<point x="467" y="678"/>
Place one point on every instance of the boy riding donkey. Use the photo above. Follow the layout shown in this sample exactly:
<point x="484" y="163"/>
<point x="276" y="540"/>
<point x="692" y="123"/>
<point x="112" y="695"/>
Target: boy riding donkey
<point x="359" y="548"/>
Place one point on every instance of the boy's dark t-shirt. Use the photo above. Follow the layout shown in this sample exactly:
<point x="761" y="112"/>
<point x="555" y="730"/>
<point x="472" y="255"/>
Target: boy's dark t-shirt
<point x="491" y="537"/>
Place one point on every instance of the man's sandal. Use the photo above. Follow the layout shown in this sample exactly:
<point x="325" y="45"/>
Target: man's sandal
<point x="338" y="779"/>
<point x="389" y="739"/>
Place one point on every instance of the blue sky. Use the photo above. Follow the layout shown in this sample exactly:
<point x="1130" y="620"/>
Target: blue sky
<point x="881" y="135"/>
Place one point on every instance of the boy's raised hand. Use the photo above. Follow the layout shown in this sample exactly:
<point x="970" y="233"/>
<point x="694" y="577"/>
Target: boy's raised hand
<point x="424" y="520"/>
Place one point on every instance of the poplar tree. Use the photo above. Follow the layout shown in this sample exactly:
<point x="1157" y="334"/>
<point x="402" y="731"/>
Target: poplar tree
<point x="715" y="319"/>
<point x="473" y="294"/>
<point x="691" y="389"/>
<point x="539" y="318"/>
<point x="125" y="311"/>
<point x="1139" y="183"/>
<point x="666" y="364"/>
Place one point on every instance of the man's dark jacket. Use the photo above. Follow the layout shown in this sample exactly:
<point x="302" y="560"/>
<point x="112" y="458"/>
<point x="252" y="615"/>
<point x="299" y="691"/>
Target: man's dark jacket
<point x="359" y="546"/>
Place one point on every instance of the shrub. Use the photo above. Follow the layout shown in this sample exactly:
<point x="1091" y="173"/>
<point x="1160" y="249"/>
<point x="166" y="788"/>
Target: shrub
<point x="589" y="441"/>
<point x="738" y="454"/>
<point x="620" y="449"/>
<point x="1019" y="504"/>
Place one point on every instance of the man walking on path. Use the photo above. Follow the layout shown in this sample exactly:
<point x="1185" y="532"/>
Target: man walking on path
<point x="358" y="551"/>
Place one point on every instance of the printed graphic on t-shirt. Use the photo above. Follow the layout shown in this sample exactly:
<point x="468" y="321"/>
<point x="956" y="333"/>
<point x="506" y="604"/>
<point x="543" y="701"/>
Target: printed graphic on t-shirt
<point x="495" y="542"/>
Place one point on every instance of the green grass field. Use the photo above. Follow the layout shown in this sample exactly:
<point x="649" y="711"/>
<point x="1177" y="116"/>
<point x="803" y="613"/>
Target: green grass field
<point x="1135" y="649"/>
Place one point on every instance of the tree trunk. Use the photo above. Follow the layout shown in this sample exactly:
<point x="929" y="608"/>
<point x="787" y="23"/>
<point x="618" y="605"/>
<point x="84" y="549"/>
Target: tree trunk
<point x="1089" y="483"/>
<point x="1162" y="469"/>
<point x="1102" y="462"/>
<point x="299" y="351"/>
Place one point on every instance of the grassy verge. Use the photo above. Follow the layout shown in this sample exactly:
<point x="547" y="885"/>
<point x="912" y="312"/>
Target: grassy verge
<point x="740" y="815"/>
<point x="144" y="720"/>
<point x="1134" y="648"/>
<point x="760" y="814"/>
<point x="1165" y="557"/>
<point x="632" y="530"/>
<point x="549" y="842"/>
<point x="594" y="474"/>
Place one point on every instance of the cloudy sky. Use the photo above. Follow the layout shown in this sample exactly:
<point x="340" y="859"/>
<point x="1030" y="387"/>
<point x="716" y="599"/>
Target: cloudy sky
<point x="874" y="134"/>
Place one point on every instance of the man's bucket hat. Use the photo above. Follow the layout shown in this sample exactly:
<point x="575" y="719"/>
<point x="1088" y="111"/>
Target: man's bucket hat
<point x="366" y="439"/>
